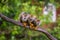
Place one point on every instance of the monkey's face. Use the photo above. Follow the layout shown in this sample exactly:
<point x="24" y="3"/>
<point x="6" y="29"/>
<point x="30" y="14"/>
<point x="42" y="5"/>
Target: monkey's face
<point x="25" y="17"/>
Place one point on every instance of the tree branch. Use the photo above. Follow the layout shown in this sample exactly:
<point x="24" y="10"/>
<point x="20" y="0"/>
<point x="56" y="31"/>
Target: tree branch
<point x="20" y="24"/>
<point x="10" y="20"/>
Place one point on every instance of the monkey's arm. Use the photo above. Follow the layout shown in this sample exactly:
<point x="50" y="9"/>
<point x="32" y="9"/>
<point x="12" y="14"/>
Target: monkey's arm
<point x="20" y="24"/>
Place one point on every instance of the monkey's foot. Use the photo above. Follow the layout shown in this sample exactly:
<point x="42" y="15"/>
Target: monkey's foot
<point x="36" y="28"/>
<point x="24" y="24"/>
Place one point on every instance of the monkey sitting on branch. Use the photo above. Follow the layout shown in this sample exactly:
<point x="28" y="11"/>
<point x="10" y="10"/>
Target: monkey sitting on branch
<point x="29" y="20"/>
<point x="34" y="22"/>
<point x="24" y="18"/>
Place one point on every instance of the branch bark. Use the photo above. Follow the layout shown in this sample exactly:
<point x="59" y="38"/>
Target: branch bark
<point x="20" y="24"/>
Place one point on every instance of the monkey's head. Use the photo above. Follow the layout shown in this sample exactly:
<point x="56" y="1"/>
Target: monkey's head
<point x="32" y="18"/>
<point x="25" y="17"/>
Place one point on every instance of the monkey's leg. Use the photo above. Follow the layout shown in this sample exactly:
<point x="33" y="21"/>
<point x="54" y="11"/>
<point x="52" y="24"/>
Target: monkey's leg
<point x="25" y="24"/>
<point x="28" y="24"/>
<point x="31" y="25"/>
<point x="34" y="27"/>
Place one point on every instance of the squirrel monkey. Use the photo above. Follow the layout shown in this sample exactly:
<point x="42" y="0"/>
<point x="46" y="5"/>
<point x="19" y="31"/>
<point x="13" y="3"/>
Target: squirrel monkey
<point x="24" y="18"/>
<point x="31" y="21"/>
<point x="34" y="22"/>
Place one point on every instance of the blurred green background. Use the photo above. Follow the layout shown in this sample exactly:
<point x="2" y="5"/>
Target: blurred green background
<point x="12" y="9"/>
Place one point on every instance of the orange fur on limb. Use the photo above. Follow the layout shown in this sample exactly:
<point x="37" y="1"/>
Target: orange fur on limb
<point x="32" y="26"/>
<point x="25" y="24"/>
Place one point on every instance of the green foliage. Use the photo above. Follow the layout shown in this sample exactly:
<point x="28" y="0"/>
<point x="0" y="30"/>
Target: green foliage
<point x="12" y="9"/>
